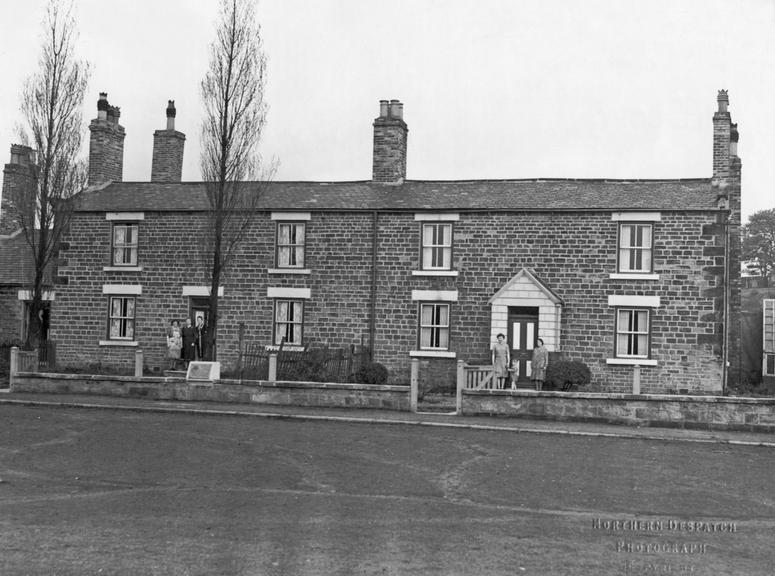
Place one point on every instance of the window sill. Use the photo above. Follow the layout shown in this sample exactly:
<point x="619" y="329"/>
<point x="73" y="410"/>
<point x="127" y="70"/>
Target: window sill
<point x="122" y="269"/>
<point x="128" y="343"/>
<point x="633" y="276"/>
<point x="632" y="361"/>
<point x="288" y="271"/>
<point x="432" y="354"/>
<point x="434" y="272"/>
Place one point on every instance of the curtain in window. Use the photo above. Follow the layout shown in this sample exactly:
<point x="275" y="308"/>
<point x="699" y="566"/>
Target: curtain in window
<point x="434" y="326"/>
<point x="633" y="333"/>
<point x="122" y="318"/>
<point x="290" y="245"/>
<point x="437" y="246"/>
<point x="288" y="322"/>
<point x="635" y="248"/>
<point x="125" y="244"/>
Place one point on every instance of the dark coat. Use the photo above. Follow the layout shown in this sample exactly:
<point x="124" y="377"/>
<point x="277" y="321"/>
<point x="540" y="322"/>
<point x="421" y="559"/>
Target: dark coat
<point x="189" y="342"/>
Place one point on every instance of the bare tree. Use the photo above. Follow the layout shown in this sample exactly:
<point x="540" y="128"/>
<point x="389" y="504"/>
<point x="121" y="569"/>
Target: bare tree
<point x="235" y="114"/>
<point x="51" y="105"/>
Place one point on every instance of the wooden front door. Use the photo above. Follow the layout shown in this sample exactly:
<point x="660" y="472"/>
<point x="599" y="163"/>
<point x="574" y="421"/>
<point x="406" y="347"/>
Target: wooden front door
<point x="523" y="333"/>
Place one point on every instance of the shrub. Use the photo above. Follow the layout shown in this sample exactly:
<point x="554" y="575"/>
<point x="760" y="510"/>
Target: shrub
<point x="371" y="373"/>
<point x="564" y="374"/>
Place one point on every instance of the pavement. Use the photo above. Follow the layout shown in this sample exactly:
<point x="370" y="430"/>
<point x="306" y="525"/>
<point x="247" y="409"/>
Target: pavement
<point x="388" y="417"/>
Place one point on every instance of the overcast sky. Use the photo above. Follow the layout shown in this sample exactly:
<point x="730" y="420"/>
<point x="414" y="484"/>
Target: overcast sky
<point x="491" y="88"/>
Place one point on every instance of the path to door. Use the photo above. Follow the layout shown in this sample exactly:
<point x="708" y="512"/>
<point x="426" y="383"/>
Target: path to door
<point x="106" y="492"/>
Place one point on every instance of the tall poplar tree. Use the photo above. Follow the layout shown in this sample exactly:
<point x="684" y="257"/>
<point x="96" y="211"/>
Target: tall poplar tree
<point x="235" y="115"/>
<point x="51" y="106"/>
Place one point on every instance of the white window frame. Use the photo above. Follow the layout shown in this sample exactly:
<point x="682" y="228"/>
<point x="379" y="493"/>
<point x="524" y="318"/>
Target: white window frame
<point x="631" y="253"/>
<point x="436" y="330"/>
<point x="132" y="247"/>
<point x="131" y="321"/>
<point x="286" y="322"/>
<point x="294" y="247"/>
<point x="632" y="333"/>
<point x="436" y="246"/>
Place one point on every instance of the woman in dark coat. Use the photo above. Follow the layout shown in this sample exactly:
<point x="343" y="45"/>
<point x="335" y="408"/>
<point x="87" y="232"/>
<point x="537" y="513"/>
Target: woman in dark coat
<point x="189" y="342"/>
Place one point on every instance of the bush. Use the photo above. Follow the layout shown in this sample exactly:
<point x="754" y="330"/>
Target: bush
<point x="564" y="374"/>
<point x="371" y="373"/>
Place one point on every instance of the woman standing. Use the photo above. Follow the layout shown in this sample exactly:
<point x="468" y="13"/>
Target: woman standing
<point x="500" y="361"/>
<point x="174" y="344"/>
<point x="539" y="363"/>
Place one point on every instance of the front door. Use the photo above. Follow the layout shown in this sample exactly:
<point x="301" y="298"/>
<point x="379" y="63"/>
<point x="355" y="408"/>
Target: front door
<point x="523" y="332"/>
<point x="199" y="307"/>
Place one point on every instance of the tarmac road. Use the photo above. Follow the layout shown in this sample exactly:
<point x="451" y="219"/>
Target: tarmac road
<point x="118" y="492"/>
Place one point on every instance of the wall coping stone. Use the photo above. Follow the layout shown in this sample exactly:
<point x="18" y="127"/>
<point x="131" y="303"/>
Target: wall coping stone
<point x="622" y="396"/>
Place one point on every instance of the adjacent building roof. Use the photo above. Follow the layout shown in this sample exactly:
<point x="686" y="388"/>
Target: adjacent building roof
<point x="16" y="263"/>
<point x="458" y="195"/>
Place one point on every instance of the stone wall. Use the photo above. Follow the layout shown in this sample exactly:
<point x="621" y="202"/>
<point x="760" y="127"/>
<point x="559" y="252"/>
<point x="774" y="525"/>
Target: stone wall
<point x="310" y="394"/>
<point x="705" y="412"/>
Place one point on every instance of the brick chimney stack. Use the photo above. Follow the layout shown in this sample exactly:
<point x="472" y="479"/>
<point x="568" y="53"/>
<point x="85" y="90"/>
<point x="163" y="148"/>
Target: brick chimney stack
<point x="727" y="179"/>
<point x="722" y="137"/>
<point x="167" y="163"/>
<point x="16" y="175"/>
<point x="106" y="147"/>
<point x="390" y="137"/>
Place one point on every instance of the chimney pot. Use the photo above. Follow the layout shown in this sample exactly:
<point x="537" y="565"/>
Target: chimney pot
<point x="171" y="115"/>
<point x="395" y="109"/>
<point x="102" y="106"/>
<point x="383" y="108"/>
<point x="723" y="100"/>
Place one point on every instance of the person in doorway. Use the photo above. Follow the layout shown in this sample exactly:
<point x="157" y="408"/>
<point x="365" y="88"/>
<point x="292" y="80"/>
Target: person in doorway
<point x="174" y="344"/>
<point x="539" y="363"/>
<point x="189" y="342"/>
<point x="201" y="336"/>
<point x="500" y="361"/>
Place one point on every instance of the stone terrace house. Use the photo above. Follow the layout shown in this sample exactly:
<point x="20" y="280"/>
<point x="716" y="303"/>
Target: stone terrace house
<point x="615" y="273"/>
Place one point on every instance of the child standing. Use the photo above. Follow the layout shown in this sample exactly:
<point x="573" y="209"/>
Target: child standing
<point x="514" y="373"/>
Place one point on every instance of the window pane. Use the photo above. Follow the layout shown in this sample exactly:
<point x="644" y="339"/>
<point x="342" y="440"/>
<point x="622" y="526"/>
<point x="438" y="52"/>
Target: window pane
<point x="282" y="311"/>
<point x="283" y="256"/>
<point x="443" y="338"/>
<point x="626" y="236"/>
<point x="283" y="234"/>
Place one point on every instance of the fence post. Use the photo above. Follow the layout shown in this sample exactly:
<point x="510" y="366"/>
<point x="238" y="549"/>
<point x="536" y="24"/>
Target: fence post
<point x="461" y="383"/>
<point x="272" y="377"/>
<point x="14" y="369"/>
<point x="414" y="385"/>
<point x="636" y="379"/>
<point x="138" y="363"/>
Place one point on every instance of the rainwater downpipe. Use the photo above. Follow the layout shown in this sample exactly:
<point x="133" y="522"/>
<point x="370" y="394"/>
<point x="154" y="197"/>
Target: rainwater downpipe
<point x="727" y="295"/>
<point x="373" y="303"/>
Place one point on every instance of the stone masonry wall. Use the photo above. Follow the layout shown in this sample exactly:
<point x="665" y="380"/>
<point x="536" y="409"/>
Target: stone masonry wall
<point x="573" y="253"/>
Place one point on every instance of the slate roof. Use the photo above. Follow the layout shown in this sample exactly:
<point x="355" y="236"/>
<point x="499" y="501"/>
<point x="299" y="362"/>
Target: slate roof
<point x="16" y="264"/>
<point x="458" y="195"/>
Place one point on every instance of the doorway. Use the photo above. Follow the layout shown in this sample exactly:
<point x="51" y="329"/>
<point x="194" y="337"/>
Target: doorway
<point x="199" y="307"/>
<point x="522" y="336"/>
